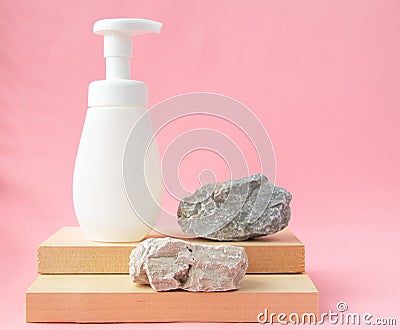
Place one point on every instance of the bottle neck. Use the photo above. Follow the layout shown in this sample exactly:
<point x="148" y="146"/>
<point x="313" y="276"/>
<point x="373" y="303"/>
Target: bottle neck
<point x="117" y="93"/>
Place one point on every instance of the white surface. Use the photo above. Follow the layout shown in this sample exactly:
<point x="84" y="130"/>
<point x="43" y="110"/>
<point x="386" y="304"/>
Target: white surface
<point x="101" y="205"/>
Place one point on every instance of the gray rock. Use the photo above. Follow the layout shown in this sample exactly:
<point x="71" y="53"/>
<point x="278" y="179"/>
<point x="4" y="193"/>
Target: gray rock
<point x="235" y="210"/>
<point x="169" y="264"/>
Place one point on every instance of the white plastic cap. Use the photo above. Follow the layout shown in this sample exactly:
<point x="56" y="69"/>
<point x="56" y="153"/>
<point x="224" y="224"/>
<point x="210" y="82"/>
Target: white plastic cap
<point x="118" y="89"/>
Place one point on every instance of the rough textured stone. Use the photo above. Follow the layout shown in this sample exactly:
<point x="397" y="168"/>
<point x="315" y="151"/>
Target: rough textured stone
<point x="235" y="210"/>
<point x="169" y="264"/>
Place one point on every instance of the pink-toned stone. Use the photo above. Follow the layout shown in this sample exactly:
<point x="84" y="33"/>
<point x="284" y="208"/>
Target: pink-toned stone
<point x="169" y="264"/>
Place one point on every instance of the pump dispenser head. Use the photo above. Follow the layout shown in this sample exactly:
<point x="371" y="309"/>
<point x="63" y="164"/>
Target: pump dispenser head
<point x="118" y="89"/>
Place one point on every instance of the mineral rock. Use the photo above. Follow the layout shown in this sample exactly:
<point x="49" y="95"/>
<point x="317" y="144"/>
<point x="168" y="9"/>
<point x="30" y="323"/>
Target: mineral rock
<point x="169" y="264"/>
<point x="235" y="210"/>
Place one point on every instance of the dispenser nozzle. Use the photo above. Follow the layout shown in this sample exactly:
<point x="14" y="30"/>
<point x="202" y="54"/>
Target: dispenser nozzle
<point x="118" y="33"/>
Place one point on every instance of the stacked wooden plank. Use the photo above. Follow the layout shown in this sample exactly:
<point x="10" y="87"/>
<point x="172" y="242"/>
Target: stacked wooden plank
<point x="84" y="281"/>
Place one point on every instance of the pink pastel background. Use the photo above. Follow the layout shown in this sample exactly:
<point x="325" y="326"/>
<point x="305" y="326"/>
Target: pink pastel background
<point x="322" y="76"/>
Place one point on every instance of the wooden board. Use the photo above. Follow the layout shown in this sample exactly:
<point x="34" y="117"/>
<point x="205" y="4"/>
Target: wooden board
<point x="113" y="298"/>
<point x="69" y="251"/>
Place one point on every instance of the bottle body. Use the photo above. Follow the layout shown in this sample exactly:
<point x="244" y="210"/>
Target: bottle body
<point x="102" y="207"/>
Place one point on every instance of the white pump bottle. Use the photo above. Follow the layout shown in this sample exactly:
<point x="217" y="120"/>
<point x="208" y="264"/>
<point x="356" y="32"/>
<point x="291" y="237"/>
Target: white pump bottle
<point x="115" y="105"/>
